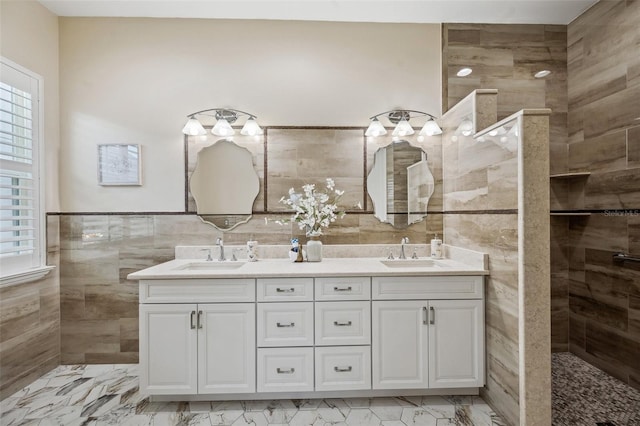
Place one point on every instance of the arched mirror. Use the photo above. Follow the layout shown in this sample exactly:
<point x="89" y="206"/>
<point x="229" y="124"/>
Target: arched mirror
<point x="400" y="184"/>
<point x="224" y="184"/>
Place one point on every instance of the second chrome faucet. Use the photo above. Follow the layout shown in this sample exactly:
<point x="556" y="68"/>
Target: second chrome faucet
<point x="220" y="244"/>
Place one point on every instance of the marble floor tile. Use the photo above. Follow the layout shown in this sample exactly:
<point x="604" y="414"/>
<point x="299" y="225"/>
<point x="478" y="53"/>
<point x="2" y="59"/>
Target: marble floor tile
<point x="108" y="395"/>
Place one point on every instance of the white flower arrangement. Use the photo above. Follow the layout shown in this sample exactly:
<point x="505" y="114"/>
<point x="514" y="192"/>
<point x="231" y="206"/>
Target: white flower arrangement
<point x="315" y="210"/>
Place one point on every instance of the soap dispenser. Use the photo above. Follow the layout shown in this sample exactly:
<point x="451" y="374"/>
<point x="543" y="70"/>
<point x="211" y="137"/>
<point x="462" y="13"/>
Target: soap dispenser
<point x="252" y="250"/>
<point x="436" y="247"/>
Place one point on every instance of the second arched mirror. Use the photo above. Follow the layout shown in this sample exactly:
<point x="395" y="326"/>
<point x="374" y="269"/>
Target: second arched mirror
<point x="400" y="184"/>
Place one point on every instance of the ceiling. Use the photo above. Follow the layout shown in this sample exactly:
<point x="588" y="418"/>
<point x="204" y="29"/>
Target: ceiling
<point x="400" y="11"/>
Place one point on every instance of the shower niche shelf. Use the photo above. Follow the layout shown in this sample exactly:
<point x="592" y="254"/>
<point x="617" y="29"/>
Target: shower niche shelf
<point x="569" y="175"/>
<point x="558" y="177"/>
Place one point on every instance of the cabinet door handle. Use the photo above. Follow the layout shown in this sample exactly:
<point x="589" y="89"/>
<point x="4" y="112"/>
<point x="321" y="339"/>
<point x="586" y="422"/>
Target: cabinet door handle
<point x="199" y="319"/>
<point x="432" y="314"/>
<point x="285" y="290"/>
<point x="424" y="315"/>
<point x="342" y="324"/>
<point x="193" y="324"/>
<point x="285" y="371"/>
<point x="291" y="324"/>
<point x="342" y="288"/>
<point x="342" y="369"/>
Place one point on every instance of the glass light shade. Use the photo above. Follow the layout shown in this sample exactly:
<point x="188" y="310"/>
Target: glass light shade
<point x="431" y="128"/>
<point x="250" y="128"/>
<point x="466" y="127"/>
<point x="193" y="128"/>
<point x="498" y="131"/>
<point x="403" y="129"/>
<point x="375" y="128"/>
<point x="223" y="128"/>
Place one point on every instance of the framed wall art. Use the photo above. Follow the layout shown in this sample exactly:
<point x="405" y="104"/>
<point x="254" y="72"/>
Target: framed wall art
<point x="119" y="165"/>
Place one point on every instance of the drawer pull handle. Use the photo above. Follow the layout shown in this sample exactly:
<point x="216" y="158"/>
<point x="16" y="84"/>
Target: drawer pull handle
<point x="342" y="369"/>
<point x="193" y="324"/>
<point x="342" y="324"/>
<point x="285" y="371"/>
<point x="199" y="319"/>
<point x="291" y="324"/>
<point x="424" y="315"/>
<point x="285" y="290"/>
<point x="342" y="288"/>
<point x="432" y="315"/>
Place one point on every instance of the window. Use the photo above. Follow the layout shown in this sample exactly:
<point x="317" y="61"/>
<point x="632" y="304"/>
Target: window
<point x="21" y="207"/>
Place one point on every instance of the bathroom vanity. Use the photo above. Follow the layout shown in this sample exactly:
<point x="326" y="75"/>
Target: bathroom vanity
<point x="341" y="327"/>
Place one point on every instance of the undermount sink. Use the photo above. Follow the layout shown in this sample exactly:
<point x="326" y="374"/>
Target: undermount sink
<point x="207" y="265"/>
<point x="409" y="263"/>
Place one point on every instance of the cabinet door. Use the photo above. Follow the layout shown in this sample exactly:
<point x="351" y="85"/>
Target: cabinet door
<point x="399" y="344"/>
<point x="456" y="343"/>
<point x="168" y="354"/>
<point x="226" y="348"/>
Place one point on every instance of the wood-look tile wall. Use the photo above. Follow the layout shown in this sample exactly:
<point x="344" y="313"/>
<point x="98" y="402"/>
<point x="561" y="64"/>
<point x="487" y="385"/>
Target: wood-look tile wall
<point x="30" y="324"/>
<point x="604" y="139"/>
<point x="99" y="306"/>
<point x="472" y="171"/>
<point x="505" y="57"/>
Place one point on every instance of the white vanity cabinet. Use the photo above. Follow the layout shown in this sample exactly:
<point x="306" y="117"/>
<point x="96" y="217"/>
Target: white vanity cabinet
<point x="191" y="348"/>
<point x="428" y="332"/>
<point x="310" y="337"/>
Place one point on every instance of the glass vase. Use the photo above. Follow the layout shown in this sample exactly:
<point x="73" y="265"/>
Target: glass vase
<point x="314" y="249"/>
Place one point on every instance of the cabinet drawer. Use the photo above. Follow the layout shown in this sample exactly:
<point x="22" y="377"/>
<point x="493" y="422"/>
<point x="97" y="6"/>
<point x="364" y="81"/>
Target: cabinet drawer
<point x="285" y="289"/>
<point x="447" y="287"/>
<point x="200" y="290"/>
<point x="285" y="324"/>
<point x="343" y="368"/>
<point x="345" y="288"/>
<point x="285" y="370"/>
<point x="343" y="323"/>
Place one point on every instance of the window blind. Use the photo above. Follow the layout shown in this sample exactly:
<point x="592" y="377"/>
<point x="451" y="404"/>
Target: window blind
<point x="20" y="243"/>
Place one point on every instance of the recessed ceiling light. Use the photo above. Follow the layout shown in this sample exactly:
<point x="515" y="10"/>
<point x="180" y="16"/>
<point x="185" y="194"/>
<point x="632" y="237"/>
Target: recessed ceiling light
<point x="542" y="74"/>
<point x="463" y="72"/>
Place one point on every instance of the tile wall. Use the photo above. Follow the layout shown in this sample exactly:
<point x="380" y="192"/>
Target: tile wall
<point x="604" y="139"/>
<point x="505" y="57"/>
<point x="30" y="324"/>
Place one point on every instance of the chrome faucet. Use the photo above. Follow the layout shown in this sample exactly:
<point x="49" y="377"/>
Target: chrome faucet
<point x="221" y="245"/>
<point x="403" y="241"/>
<point x="208" y="250"/>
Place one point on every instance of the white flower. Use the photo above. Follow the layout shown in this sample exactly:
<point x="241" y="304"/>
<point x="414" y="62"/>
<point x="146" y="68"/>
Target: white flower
<point x="315" y="210"/>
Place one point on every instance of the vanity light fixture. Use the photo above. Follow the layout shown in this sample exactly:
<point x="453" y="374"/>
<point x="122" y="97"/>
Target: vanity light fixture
<point x="463" y="72"/>
<point x="225" y="117"/>
<point x="401" y="118"/>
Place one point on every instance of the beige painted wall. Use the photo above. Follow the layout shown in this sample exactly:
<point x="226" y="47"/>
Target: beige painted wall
<point x="135" y="80"/>
<point x="29" y="34"/>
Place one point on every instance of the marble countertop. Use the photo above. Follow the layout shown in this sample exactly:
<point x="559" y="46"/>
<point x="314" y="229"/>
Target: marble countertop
<point x="328" y="267"/>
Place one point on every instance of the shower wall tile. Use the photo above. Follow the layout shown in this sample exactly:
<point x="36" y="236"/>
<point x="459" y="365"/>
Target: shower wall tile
<point x="607" y="152"/>
<point x="604" y="133"/>
<point x="633" y="146"/>
<point x="497" y="235"/>
<point x="505" y="57"/>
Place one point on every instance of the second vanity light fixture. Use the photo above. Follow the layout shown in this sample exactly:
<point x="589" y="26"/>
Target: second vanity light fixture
<point x="225" y="118"/>
<point x="401" y="117"/>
